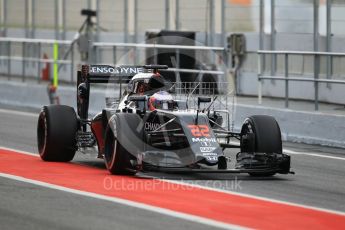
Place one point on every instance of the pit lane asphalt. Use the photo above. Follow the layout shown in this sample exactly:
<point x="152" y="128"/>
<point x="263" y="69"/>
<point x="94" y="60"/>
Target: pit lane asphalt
<point x="28" y="206"/>
<point x="319" y="182"/>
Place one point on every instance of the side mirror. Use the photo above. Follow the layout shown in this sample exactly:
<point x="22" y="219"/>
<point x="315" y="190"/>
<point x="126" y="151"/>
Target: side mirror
<point x="204" y="100"/>
<point x="201" y="100"/>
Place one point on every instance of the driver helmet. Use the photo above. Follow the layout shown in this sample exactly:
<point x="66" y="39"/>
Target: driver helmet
<point x="141" y="87"/>
<point x="161" y="100"/>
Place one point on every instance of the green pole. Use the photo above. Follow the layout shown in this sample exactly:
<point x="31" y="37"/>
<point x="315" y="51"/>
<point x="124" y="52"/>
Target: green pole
<point x="56" y="66"/>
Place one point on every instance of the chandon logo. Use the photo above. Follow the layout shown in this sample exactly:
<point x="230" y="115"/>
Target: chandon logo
<point x="149" y="126"/>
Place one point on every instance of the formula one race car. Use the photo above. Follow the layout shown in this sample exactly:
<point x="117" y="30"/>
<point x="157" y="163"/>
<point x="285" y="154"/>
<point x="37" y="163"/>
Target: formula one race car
<point x="150" y="130"/>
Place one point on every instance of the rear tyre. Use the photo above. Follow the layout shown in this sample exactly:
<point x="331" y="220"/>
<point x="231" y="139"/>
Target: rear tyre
<point x="261" y="134"/>
<point x="56" y="133"/>
<point x="121" y="148"/>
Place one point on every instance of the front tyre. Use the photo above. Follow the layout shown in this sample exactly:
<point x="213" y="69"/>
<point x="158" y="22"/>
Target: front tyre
<point x="261" y="134"/>
<point x="56" y="133"/>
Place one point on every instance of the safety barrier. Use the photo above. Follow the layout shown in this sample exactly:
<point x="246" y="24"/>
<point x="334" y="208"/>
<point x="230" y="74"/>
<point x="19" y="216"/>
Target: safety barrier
<point x="68" y="57"/>
<point x="316" y="80"/>
<point x="32" y="52"/>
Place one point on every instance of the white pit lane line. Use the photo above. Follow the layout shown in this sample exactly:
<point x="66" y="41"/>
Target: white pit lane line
<point x="288" y="151"/>
<point x="20" y="151"/>
<point x="291" y="152"/>
<point x="188" y="217"/>
<point x="21" y="113"/>
<point x="151" y="208"/>
<point x="185" y="183"/>
<point x="161" y="210"/>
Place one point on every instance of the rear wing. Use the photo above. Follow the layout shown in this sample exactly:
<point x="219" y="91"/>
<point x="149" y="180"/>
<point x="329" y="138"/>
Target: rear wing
<point x="107" y="73"/>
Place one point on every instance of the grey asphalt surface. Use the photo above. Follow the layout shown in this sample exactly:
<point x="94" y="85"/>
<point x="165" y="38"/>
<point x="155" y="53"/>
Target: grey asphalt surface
<point x="28" y="206"/>
<point x="318" y="182"/>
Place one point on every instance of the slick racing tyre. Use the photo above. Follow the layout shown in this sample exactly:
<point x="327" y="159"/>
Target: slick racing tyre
<point x="122" y="143"/>
<point x="56" y="133"/>
<point x="264" y="137"/>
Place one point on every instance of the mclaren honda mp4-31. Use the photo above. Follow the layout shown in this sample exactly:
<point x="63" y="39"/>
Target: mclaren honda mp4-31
<point x="148" y="129"/>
